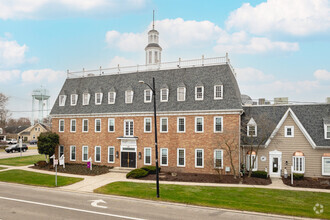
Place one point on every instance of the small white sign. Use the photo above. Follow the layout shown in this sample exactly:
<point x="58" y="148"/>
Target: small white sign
<point x="263" y="158"/>
<point x="55" y="162"/>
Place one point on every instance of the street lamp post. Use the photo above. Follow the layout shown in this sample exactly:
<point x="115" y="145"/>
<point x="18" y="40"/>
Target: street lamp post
<point x="155" y="120"/>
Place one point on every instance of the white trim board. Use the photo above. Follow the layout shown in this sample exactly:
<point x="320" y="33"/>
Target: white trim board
<point x="298" y="123"/>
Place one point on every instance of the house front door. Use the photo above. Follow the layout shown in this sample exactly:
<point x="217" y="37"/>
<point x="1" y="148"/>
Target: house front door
<point x="275" y="163"/>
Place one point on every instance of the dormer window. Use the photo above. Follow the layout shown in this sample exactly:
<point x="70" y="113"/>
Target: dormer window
<point x="128" y="96"/>
<point x="181" y="94"/>
<point x="74" y="98"/>
<point x="252" y="128"/>
<point x="86" y="97"/>
<point x="98" y="98"/>
<point x="164" y="95"/>
<point x="327" y="131"/>
<point x="147" y="95"/>
<point x="111" y="97"/>
<point x="199" y="93"/>
<point x="62" y="99"/>
<point x="218" y="92"/>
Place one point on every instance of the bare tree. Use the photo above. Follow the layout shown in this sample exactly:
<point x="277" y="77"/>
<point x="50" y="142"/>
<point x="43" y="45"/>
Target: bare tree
<point x="19" y="122"/>
<point x="4" y="113"/>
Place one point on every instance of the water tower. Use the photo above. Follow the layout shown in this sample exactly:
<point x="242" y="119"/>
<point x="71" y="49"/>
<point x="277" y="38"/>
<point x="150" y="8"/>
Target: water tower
<point x="42" y="96"/>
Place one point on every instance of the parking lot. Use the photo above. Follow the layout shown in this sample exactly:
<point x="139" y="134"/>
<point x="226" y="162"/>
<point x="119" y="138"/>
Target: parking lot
<point x="29" y="152"/>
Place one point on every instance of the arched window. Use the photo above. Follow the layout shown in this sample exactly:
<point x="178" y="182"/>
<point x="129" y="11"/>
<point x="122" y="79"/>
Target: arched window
<point x="298" y="162"/>
<point x="251" y="161"/>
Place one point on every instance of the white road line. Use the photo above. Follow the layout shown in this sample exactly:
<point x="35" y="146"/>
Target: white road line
<point x="68" y="208"/>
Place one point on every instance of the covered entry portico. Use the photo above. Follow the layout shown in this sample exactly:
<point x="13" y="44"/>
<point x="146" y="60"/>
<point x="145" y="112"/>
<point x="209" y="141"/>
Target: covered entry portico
<point x="128" y="149"/>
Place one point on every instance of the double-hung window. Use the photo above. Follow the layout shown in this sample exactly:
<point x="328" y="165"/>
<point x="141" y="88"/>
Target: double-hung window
<point x="147" y="125"/>
<point x="97" y="154"/>
<point x="128" y="96"/>
<point x="73" y="125"/>
<point x="218" y="159"/>
<point x="164" y="95"/>
<point x="218" y="92"/>
<point x="72" y="153"/>
<point x="181" y="124"/>
<point x="129" y="127"/>
<point x="84" y="153"/>
<point x="97" y="125"/>
<point x="289" y="131"/>
<point x="147" y="95"/>
<point x="298" y="163"/>
<point x="147" y="156"/>
<point x="181" y="94"/>
<point x="199" y="92"/>
<point x="249" y="161"/>
<point x="85" y="125"/>
<point x="98" y="98"/>
<point x="86" y="97"/>
<point x="163" y="156"/>
<point x="218" y="125"/>
<point x="199" y="124"/>
<point x="327" y="131"/>
<point x="181" y="156"/>
<point x="111" y="125"/>
<point x="163" y="125"/>
<point x="199" y="158"/>
<point x="74" y="99"/>
<point x="61" y="150"/>
<point x="251" y="128"/>
<point x="326" y="166"/>
<point x="111" y="97"/>
<point x="61" y="125"/>
<point x="62" y="99"/>
<point x="111" y="154"/>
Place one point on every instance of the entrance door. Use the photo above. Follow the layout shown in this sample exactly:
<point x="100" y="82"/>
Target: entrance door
<point x="275" y="163"/>
<point x="128" y="159"/>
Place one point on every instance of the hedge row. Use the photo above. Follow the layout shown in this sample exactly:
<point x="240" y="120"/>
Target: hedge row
<point x="142" y="172"/>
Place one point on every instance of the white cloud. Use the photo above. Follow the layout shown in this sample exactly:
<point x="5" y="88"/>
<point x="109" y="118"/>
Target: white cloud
<point x="250" y="74"/>
<point x="8" y="75"/>
<point x="322" y="75"/>
<point x="122" y="61"/>
<point x="296" y="17"/>
<point x="36" y="76"/>
<point x="11" y="53"/>
<point x="16" y="9"/>
<point x="128" y="42"/>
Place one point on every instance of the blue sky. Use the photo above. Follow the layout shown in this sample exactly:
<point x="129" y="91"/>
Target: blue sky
<point x="278" y="48"/>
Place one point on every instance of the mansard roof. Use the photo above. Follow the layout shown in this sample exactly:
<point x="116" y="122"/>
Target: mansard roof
<point x="311" y="117"/>
<point x="172" y="78"/>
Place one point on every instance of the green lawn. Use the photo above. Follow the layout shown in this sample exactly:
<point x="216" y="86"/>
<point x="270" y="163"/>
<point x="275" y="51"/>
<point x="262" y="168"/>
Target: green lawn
<point x="284" y="202"/>
<point x="25" y="160"/>
<point x="37" y="179"/>
<point x="2" y="168"/>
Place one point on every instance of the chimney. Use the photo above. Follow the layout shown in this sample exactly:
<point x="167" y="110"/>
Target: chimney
<point x="281" y="101"/>
<point x="261" y="101"/>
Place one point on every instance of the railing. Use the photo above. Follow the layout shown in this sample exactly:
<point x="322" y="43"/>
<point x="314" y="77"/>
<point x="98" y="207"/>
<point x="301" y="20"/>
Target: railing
<point x="152" y="67"/>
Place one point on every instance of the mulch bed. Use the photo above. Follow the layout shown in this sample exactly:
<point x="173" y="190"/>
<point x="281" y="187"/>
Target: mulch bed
<point x="307" y="182"/>
<point x="79" y="169"/>
<point x="205" y="178"/>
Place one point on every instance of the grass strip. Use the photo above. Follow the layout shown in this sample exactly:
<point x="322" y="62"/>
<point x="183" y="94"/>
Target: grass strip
<point x="36" y="179"/>
<point x="21" y="161"/>
<point x="285" y="202"/>
<point x="2" y="168"/>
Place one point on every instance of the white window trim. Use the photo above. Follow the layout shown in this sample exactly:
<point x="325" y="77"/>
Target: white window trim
<point x="114" y="154"/>
<point x="303" y="164"/>
<point x="214" y="121"/>
<point x="59" y="100"/>
<point x="161" y="95"/>
<point x="83" y="99"/>
<point x="161" y="125"/>
<point x="71" y="125"/>
<point x="184" y="156"/>
<point x="161" y="156"/>
<point x="114" y="98"/>
<point x="76" y="99"/>
<point x="248" y="130"/>
<point x="126" y="94"/>
<point x="196" y="166"/>
<point x="285" y="131"/>
<point x="178" y="131"/>
<point x="248" y="157"/>
<point x="114" y="125"/>
<point x="96" y="119"/>
<point x="82" y="154"/>
<point x="128" y="120"/>
<point x="145" y="95"/>
<point x="325" y="131"/>
<point x="184" y="94"/>
<point x="82" y="127"/>
<point x="101" y="97"/>
<point x="95" y="154"/>
<point x="59" y="125"/>
<point x="196" y="98"/>
<point x="75" y="153"/>
<point x="215" y="154"/>
<point x="144" y="156"/>
<point x="145" y="131"/>
<point x="215" y="89"/>
<point x="323" y="173"/>
<point x="196" y="125"/>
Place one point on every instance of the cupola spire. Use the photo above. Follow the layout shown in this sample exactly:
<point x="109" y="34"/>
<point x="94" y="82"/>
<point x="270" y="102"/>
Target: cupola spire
<point x="153" y="50"/>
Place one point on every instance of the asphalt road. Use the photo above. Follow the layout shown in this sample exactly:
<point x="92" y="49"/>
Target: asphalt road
<point x="4" y="154"/>
<point x="27" y="202"/>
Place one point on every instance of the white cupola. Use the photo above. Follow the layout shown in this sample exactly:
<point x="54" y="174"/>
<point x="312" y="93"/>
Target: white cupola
<point x="153" y="50"/>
